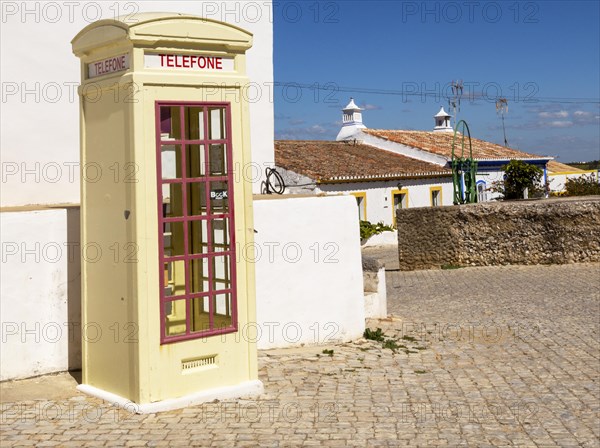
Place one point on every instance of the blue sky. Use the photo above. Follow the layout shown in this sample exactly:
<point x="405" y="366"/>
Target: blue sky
<point x="543" y="57"/>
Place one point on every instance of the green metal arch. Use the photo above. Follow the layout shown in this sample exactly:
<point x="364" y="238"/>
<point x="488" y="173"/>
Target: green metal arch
<point x="464" y="169"/>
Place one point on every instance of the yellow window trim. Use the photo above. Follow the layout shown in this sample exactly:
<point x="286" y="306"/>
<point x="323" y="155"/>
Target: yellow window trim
<point x="396" y="192"/>
<point x="362" y="194"/>
<point x="431" y="190"/>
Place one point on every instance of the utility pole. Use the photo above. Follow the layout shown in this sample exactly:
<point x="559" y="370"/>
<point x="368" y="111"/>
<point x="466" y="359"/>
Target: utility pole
<point x="502" y="108"/>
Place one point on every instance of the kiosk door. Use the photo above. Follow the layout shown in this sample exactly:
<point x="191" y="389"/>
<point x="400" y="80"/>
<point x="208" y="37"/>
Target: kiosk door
<point x="196" y="228"/>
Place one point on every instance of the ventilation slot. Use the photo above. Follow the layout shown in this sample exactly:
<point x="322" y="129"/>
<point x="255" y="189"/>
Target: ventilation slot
<point x="198" y="363"/>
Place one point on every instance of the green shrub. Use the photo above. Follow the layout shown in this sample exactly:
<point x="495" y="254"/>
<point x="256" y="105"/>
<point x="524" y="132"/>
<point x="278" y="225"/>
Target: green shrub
<point x="391" y="344"/>
<point x="367" y="230"/>
<point x="374" y="335"/>
<point x="582" y="186"/>
<point x="519" y="176"/>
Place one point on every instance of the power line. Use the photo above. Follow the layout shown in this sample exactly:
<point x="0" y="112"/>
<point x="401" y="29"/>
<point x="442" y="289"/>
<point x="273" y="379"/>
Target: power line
<point x="332" y="87"/>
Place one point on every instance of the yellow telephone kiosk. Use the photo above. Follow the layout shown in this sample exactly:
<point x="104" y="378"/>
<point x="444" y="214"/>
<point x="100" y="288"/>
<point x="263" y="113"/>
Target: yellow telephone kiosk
<point x="164" y="127"/>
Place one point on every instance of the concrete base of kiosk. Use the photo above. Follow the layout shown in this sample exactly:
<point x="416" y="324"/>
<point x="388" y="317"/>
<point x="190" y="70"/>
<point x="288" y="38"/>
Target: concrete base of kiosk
<point x="244" y="390"/>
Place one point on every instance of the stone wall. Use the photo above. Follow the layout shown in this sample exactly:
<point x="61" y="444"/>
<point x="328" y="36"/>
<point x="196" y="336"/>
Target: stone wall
<point x="551" y="231"/>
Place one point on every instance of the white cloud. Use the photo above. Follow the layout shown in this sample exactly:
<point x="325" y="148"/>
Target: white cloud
<point x="318" y="129"/>
<point x="560" y="124"/>
<point x="584" y="118"/>
<point x="559" y="114"/>
<point x="316" y="132"/>
<point x="371" y="107"/>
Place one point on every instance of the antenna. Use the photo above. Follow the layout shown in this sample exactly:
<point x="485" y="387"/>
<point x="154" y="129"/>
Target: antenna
<point x="454" y="100"/>
<point x="502" y="109"/>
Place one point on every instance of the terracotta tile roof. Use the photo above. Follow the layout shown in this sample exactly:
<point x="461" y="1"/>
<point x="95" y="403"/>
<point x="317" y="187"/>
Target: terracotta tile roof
<point x="557" y="167"/>
<point x="338" y="161"/>
<point x="441" y="143"/>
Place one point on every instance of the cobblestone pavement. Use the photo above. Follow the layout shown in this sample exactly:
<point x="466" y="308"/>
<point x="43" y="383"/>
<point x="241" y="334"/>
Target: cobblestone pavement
<point x="388" y="255"/>
<point x="474" y="357"/>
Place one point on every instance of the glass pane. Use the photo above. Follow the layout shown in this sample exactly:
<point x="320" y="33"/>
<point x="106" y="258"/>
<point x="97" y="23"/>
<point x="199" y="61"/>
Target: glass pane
<point x="220" y="234"/>
<point x="216" y="123"/>
<point x="174" y="278"/>
<point x="218" y="197"/>
<point x="196" y="197"/>
<point x="170" y="123"/>
<point x="195" y="161"/>
<point x="217" y="160"/>
<point x="172" y="201"/>
<point x="194" y="123"/>
<point x="198" y="237"/>
<point x="175" y="313"/>
<point x="173" y="239"/>
<point x="184" y="172"/>
<point x="199" y="275"/>
<point x="200" y="314"/>
<point x="221" y="279"/>
<point x="223" y="312"/>
<point x="170" y="160"/>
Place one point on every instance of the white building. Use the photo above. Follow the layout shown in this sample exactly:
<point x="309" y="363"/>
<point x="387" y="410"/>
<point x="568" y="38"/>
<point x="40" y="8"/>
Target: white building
<point x="389" y="169"/>
<point x="558" y="178"/>
<point x="380" y="180"/>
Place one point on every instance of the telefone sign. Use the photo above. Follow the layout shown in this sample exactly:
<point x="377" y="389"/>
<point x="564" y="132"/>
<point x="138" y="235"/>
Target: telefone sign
<point x="106" y="66"/>
<point x="188" y="62"/>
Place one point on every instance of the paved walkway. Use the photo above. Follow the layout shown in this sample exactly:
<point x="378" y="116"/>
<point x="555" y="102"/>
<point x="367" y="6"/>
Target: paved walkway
<point x="388" y="255"/>
<point x="475" y="357"/>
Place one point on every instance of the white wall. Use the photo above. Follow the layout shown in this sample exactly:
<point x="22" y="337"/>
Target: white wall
<point x="376" y="301"/>
<point x="39" y="130"/>
<point x="557" y="180"/>
<point x="308" y="275"/>
<point x="379" y="194"/>
<point x="309" y="286"/>
<point x="40" y="290"/>
<point x="489" y="177"/>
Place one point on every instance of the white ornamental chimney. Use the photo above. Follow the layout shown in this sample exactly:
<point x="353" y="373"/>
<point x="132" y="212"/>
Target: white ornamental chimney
<point x="351" y="121"/>
<point x="442" y="121"/>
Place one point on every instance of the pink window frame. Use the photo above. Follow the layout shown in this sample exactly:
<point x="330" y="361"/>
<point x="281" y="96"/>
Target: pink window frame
<point x="185" y="218"/>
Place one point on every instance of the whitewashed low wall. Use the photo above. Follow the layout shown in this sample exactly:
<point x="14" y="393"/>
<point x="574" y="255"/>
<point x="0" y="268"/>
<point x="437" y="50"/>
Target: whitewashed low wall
<point x="40" y="303"/>
<point x="376" y="302"/>
<point x="309" y="281"/>
<point x="375" y="288"/>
